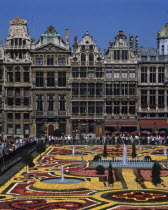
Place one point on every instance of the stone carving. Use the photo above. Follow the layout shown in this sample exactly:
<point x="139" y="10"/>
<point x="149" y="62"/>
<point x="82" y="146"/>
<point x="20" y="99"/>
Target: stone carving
<point x="27" y="57"/>
<point x="7" y="57"/>
<point x="18" y="20"/>
<point x="18" y="31"/>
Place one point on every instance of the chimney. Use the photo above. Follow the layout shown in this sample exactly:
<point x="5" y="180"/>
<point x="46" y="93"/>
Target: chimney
<point x="67" y="36"/>
<point x="131" y="42"/>
<point x="75" y="45"/>
<point x="136" y="42"/>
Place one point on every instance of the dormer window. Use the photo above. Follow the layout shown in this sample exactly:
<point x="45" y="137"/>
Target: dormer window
<point x="83" y="47"/>
<point x="116" y="54"/>
<point x="39" y="60"/>
<point x="162" y="49"/>
<point x="83" y="59"/>
<point x="50" y="60"/>
<point x="91" y="59"/>
<point x="62" y="61"/>
<point x="124" y="54"/>
<point x="91" y="47"/>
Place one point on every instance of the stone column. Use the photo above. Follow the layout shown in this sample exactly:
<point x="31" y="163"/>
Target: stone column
<point x="148" y="75"/>
<point x="148" y="97"/>
<point x="33" y="127"/>
<point x="165" y="100"/>
<point x="157" y="99"/>
<point x="68" y="127"/>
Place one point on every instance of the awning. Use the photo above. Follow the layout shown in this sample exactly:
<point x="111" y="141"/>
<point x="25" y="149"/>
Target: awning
<point x="153" y="123"/>
<point x="131" y="123"/>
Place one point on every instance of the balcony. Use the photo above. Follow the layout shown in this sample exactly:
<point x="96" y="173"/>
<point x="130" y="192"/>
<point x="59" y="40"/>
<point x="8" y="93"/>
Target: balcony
<point x="91" y="63"/>
<point x="27" y="46"/>
<point x="62" y="113"/>
<point x="51" y="113"/>
<point x="83" y="63"/>
<point x="39" y="113"/>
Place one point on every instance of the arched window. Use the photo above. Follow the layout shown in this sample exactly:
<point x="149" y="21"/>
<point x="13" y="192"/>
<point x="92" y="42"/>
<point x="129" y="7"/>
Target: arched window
<point x="91" y="59"/>
<point x="83" y="59"/>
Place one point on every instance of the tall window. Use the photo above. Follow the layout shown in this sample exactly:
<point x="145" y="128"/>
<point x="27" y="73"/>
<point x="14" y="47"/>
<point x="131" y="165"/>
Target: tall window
<point x="10" y="129"/>
<point x="144" y="74"/>
<point x="17" y="129"/>
<point x="75" y="89"/>
<point x="99" y="107"/>
<point x="132" y="89"/>
<point x="152" y="74"/>
<point x="144" y="98"/>
<point x="39" y="102"/>
<point x="17" y="76"/>
<point x="116" y="89"/>
<point x="83" y="108"/>
<point x="75" y="72"/>
<point x="39" y="60"/>
<point x="162" y="49"/>
<point x="124" y="73"/>
<point x="50" y="60"/>
<point x="61" y="60"/>
<point x="132" y="107"/>
<point x="152" y="98"/>
<point x="108" y="89"/>
<point x="83" y="89"/>
<point x="82" y="72"/>
<point x="99" y="72"/>
<point x="161" y="98"/>
<point x="116" y="54"/>
<point x="91" y="89"/>
<point x="99" y="89"/>
<point x="50" y="79"/>
<point x="124" y="107"/>
<point x="91" y="107"/>
<point x="116" y="107"/>
<point x="26" y="97"/>
<point x="10" y="96"/>
<point x="83" y="59"/>
<point x="10" y="76"/>
<point x="17" y="97"/>
<point x="91" y="72"/>
<point x="109" y="73"/>
<point x="62" y="79"/>
<point x="75" y="107"/>
<point x="116" y="73"/>
<point x="39" y="79"/>
<point x="161" y="74"/>
<point x="124" y="89"/>
<point x="124" y="54"/>
<point x="62" y="102"/>
<point x="108" y="107"/>
<point x="91" y="59"/>
<point x="50" y="102"/>
<point x="132" y="73"/>
<point x="26" y="76"/>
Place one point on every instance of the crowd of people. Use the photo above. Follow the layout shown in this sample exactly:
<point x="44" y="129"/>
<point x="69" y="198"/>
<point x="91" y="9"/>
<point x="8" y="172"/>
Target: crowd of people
<point x="128" y="139"/>
<point x="8" y="146"/>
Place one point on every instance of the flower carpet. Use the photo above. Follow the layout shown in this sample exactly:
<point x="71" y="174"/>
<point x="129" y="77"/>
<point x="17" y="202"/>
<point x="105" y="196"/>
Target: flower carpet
<point x="32" y="192"/>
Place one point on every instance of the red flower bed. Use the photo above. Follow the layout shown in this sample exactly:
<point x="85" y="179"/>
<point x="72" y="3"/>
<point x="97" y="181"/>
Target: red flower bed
<point x="42" y="204"/>
<point x="92" y="173"/>
<point x="146" y="174"/>
<point x="140" y="196"/>
<point x="23" y="189"/>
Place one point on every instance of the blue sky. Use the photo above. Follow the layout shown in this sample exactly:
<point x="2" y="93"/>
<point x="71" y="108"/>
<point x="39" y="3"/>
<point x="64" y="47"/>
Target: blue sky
<point x="102" y="18"/>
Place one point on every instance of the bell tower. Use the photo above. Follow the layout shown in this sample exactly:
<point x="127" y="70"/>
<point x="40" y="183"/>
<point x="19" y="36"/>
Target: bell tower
<point x="162" y="38"/>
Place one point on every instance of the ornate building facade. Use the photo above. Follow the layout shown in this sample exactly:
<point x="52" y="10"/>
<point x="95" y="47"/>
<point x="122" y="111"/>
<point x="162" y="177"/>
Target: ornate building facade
<point x="47" y="86"/>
